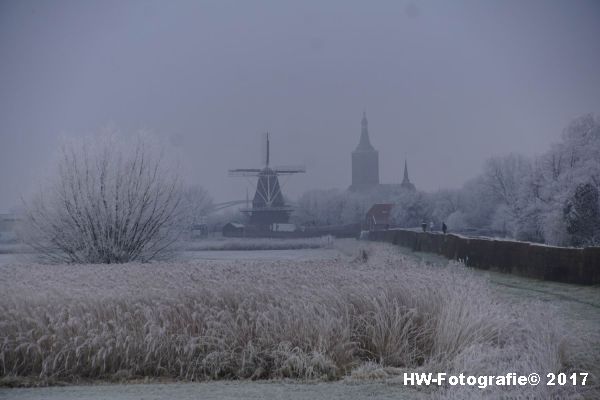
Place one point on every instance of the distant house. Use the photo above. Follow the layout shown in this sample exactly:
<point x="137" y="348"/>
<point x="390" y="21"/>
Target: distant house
<point x="199" y="231"/>
<point x="233" y="229"/>
<point x="279" y="227"/>
<point x="378" y="217"/>
<point x="7" y="222"/>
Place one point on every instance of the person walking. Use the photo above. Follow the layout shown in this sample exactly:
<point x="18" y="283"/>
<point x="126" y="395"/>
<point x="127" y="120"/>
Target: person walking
<point x="424" y="226"/>
<point x="444" y="228"/>
<point x="431" y="226"/>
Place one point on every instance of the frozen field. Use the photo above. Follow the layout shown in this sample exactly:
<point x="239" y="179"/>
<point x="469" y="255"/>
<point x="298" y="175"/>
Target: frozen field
<point x="297" y="255"/>
<point x="7" y="258"/>
<point x="230" y="390"/>
<point x="292" y="314"/>
<point x="285" y="254"/>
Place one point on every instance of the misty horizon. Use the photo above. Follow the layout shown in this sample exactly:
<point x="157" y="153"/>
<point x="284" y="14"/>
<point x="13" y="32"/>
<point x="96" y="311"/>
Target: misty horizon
<point x="302" y="199"/>
<point x="444" y="85"/>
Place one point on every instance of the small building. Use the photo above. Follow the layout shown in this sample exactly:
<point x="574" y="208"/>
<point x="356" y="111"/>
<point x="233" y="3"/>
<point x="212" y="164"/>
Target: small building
<point x="283" y="227"/>
<point x="7" y="222"/>
<point x="378" y="217"/>
<point x="199" y="231"/>
<point x="234" y="229"/>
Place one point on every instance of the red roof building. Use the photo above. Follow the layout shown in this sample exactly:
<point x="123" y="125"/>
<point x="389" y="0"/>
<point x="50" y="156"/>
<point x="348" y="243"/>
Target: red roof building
<point x="378" y="217"/>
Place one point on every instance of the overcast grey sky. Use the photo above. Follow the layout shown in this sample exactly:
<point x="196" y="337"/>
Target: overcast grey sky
<point x="445" y="83"/>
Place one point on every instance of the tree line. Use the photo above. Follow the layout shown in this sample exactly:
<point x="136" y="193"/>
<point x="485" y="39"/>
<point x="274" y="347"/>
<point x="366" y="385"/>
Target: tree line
<point x="552" y="198"/>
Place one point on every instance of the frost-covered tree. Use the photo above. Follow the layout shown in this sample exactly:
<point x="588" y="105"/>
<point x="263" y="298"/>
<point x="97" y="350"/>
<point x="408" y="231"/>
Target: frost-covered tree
<point x="478" y="203"/>
<point x="572" y="163"/>
<point x="336" y="207"/>
<point x="196" y="204"/>
<point x="411" y="209"/>
<point x="320" y="207"/>
<point x="109" y="204"/>
<point x="504" y="176"/>
<point x="582" y="216"/>
<point x="445" y="203"/>
<point x="355" y="207"/>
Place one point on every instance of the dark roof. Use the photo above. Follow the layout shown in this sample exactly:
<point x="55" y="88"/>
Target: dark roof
<point x="380" y="213"/>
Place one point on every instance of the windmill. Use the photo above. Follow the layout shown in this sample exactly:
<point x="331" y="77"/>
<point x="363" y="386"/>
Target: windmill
<point x="268" y="204"/>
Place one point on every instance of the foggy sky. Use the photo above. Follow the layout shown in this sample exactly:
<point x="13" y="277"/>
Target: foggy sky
<point x="446" y="84"/>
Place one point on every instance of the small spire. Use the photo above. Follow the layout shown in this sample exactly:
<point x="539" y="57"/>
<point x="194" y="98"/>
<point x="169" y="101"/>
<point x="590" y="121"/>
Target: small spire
<point x="406" y="183"/>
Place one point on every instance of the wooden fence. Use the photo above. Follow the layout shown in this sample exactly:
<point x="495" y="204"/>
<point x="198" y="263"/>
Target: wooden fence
<point x="560" y="264"/>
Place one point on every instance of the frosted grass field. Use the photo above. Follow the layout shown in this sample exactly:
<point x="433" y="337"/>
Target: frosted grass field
<point x="7" y="258"/>
<point x="217" y="390"/>
<point x="234" y="244"/>
<point x="331" y="318"/>
<point x="255" y="255"/>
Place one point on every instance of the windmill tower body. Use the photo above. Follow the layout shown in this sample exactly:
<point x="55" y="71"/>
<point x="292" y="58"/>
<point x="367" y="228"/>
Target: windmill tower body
<point x="268" y="204"/>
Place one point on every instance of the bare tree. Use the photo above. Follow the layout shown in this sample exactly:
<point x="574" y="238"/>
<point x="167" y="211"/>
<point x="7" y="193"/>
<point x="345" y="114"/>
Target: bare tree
<point x="197" y="204"/>
<point x="504" y="175"/>
<point x="107" y="205"/>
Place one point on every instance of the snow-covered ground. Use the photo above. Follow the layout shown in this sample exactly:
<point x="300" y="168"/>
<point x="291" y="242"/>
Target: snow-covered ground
<point x="285" y="254"/>
<point x="226" y="243"/>
<point x="7" y="258"/>
<point x="294" y="254"/>
<point x="222" y="390"/>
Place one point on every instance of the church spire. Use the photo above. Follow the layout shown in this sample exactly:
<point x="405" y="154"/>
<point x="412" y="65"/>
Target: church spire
<point x="365" y="143"/>
<point x="406" y="183"/>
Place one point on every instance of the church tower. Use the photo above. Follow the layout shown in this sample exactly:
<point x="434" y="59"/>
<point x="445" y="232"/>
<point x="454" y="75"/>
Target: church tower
<point x="365" y="161"/>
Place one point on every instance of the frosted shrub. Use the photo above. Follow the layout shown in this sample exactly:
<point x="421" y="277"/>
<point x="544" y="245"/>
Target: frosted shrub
<point x="108" y="204"/>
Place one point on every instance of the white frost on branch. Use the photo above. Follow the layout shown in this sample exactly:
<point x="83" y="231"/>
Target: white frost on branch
<point x="110" y="203"/>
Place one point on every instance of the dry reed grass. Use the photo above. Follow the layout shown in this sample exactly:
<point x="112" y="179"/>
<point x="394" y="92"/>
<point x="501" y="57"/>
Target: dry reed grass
<point x="321" y="319"/>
